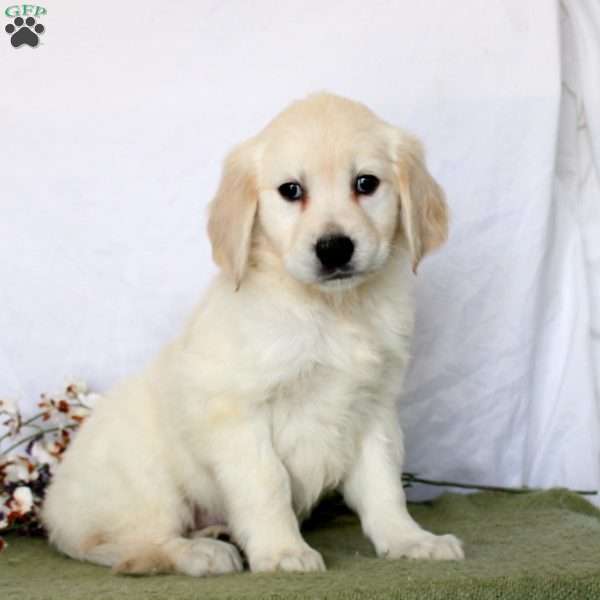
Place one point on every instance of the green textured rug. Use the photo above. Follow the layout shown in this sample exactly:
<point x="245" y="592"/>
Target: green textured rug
<point x="542" y="545"/>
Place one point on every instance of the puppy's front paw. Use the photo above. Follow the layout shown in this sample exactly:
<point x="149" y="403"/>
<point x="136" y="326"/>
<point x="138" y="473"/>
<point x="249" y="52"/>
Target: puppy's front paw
<point x="423" y="544"/>
<point x="302" y="558"/>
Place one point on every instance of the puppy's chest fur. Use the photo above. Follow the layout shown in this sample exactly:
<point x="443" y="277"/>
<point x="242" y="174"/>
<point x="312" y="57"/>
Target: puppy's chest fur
<point x="319" y="415"/>
<point x="316" y="430"/>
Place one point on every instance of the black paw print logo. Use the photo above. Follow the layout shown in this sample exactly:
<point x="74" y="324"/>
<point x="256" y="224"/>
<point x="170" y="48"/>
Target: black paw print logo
<point x="24" y="32"/>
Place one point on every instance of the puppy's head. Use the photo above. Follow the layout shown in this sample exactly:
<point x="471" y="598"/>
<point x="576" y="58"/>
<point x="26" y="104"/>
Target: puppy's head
<point x="331" y="188"/>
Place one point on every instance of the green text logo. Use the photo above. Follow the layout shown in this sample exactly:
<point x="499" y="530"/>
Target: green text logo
<point x="23" y="10"/>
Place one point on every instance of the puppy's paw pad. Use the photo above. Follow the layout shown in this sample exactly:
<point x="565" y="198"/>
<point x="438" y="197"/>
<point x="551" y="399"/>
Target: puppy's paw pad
<point x="303" y="559"/>
<point x="427" y="546"/>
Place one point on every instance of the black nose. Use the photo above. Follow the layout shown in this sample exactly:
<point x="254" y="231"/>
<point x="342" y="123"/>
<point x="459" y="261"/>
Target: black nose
<point x="334" y="251"/>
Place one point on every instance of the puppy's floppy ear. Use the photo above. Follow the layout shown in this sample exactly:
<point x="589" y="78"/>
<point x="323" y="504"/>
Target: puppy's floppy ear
<point x="424" y="213"/>
<point x="233" y="210"/>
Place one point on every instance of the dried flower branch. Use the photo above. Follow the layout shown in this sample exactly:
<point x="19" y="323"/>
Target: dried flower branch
<point x="30" y="450"/>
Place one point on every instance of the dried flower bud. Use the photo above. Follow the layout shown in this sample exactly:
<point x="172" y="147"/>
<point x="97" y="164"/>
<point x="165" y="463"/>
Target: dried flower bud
<point x="8" y="406"/>
<point x="22" y="500"/>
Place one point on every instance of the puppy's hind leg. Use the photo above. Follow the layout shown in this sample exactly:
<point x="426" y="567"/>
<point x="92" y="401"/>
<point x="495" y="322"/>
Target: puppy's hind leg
<point x="196" y="557"/>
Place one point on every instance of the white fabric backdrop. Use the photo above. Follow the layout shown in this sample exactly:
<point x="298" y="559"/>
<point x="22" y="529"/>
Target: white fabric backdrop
<point x="112" y="134"/>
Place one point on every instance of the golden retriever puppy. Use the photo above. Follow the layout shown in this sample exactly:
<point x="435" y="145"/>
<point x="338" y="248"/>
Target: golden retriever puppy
<point x="284" y="384"/>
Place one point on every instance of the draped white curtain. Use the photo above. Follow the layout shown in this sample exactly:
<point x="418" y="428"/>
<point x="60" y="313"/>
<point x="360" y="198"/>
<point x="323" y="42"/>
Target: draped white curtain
<point x="113" y="130"/>
<point x="517" y="369"/>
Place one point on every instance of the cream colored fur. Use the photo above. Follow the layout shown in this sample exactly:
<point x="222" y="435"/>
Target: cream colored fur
<point x="283" y="386"/>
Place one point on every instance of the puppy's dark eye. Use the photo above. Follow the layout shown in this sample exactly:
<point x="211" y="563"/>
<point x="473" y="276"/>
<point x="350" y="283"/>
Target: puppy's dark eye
<point x="291" y="191"/>
<point x="366" y="184"/>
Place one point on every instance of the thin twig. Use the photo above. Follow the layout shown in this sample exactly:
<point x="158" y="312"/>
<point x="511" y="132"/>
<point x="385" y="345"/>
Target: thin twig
<point x="36" y="436"/>
<point x="23" y="424"/>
